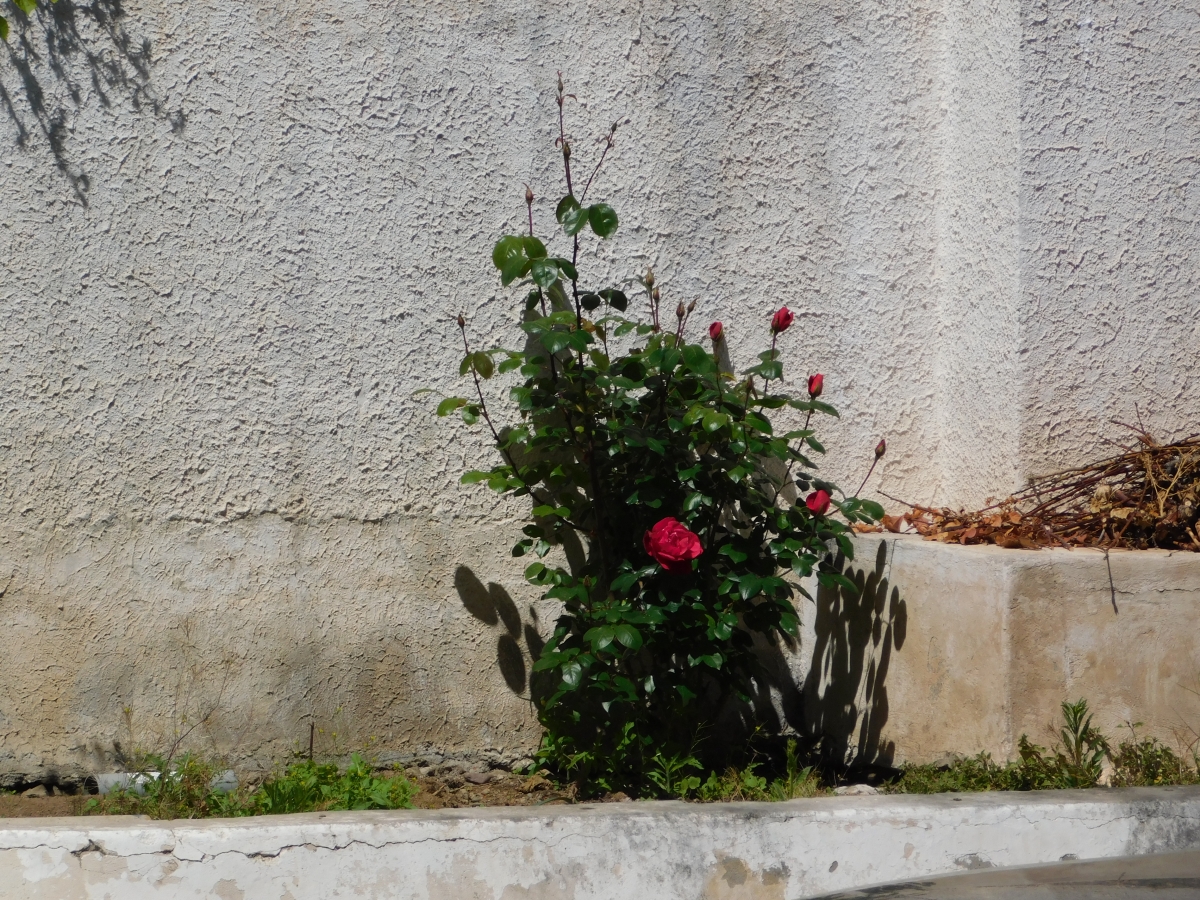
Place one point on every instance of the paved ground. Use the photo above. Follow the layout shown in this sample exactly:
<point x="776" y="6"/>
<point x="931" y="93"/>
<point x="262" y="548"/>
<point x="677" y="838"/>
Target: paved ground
<point x="1167" y="876"/>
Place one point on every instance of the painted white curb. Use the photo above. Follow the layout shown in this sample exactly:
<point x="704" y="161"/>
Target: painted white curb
<point x="664" y="851"/>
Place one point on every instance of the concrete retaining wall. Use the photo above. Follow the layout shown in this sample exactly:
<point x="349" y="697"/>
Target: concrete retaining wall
<point x="669" y="851"/>
<point x="951" y="649"/>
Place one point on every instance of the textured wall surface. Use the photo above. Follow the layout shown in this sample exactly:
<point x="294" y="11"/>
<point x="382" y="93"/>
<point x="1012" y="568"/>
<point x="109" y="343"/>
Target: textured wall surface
<point x="233" y="236"/>
<point x="1110" y="203"/>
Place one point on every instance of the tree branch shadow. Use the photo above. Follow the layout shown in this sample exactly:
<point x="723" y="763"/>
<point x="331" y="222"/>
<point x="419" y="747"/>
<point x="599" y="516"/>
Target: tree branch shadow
<point x="845" y="693"/>
<point x="59" y="42"/>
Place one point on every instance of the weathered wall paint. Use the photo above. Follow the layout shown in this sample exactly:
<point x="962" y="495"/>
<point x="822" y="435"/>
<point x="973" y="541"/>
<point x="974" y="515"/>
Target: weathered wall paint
<point x="234" y="234"/>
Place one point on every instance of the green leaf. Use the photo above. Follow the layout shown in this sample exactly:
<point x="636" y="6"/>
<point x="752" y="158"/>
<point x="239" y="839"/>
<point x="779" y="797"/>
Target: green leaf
<point x="509" y="257"/>
<point x="616" y="299"/>
<point x="534" y="248"/>
<point x="572" y="674"/>
<point x="603" y="219"/>
<point x="26" y="6"/>
<point x="600" y="637"/>
<point x="733" y="553"/>
<point x="714" y="421"/>
<point x="449" y="405"/>
<point x="698" y="359"/>
<point x="629" y="636"/>
<point x="3" y="29"/>
<point x="544" y="272"/>
<point x="474" y="477"/>
<point x="574" y="219"/>
<point x="872" y="509"/>
<point x="482" y="363"/>
<point x="565" y="205"/>
<point x="567" y="267"/>
<point x="589" y="301"/>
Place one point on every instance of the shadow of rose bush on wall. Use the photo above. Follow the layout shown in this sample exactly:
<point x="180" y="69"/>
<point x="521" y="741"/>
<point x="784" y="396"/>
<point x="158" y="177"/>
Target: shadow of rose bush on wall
<point x="628" y="435"/>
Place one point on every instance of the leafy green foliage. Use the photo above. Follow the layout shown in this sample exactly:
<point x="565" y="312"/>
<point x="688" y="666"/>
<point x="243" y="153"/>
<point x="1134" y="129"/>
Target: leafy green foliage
<point x="307" y="786"/>
<point x="1148" y="762"/>
<point x="620" y="423"/>
<point x="184" y="789"/>
<point x="1076" y="762"/>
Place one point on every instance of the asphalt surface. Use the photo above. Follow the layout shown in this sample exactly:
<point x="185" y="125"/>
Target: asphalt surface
<point x="1166" y="876"/>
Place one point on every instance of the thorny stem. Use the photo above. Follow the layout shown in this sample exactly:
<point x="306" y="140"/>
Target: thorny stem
<point x="487" y="418"/>
<point x="462" y="326"/>
<point x="608" y="144"/>
<point x="874" y="463"/>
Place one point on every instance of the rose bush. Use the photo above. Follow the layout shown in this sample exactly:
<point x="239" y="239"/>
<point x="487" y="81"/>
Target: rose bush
<point x="631" y="442"/>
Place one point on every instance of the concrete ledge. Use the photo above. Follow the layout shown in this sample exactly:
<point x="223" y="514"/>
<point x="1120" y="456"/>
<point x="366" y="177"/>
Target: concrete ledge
<point x="952" y="649"/>
<point x="659" y="850"/>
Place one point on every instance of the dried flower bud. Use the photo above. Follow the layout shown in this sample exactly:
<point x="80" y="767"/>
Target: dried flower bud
<point x="566" y="150"/>
<point x="816" y="384"/>
<point x="680" y="310"/>
<point x="880" y="448"/>
<point x="716" y="331"/>
<point x="656" y="295"/>
<point x="462" y="323"/>
<point x="649" y="278"/>
<point x="528" y="195"/>
<point x="692" y="306"/>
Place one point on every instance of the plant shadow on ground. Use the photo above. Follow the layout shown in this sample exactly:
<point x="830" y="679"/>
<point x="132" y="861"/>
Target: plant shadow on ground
<point x="45" y="48"/>
<point x="845" y="693"/>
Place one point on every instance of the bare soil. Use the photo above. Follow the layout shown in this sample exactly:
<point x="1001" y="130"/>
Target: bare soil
<point x="14" y="806"/>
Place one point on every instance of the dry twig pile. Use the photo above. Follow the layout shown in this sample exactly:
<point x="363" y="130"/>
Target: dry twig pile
<point x="1148" y="496"/>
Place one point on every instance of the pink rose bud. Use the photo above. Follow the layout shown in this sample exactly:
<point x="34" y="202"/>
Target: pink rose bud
<point x="672" y="546"/>
<point x="818" y="502"/>
<point x="880" y="448"/>
<point x="781" y="320"/>
<point x="716" y="331"/>
<point x="816" y="384"/>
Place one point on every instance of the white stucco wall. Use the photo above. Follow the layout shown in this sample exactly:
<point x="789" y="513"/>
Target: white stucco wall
<point x="233" y="236"/>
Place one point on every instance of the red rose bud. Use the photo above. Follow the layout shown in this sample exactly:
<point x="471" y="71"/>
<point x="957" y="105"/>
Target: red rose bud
<point x="716" y="331"/>
<point x="781" y="320"/>
<point x="816" y="384"/>
<point x="818" y="502"/>
<point x="672" y="546"/>
<point x="880" y="448"/>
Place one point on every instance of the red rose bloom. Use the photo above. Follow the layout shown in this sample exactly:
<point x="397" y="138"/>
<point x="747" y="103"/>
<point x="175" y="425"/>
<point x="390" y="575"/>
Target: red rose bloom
<point x="818" y="502"/>
<point x="816" y="384"/>
<point x="672" y="546"/>
<point x="781" y="320"/>
<point x="716" y="331"/>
